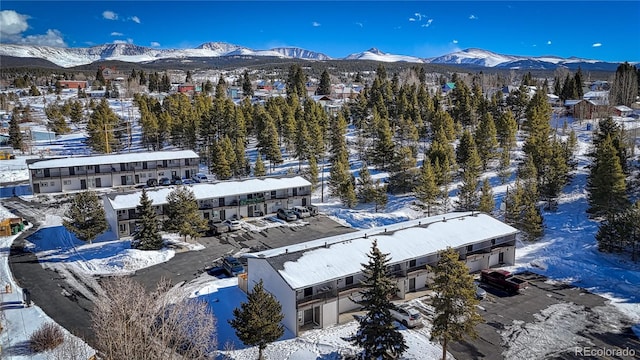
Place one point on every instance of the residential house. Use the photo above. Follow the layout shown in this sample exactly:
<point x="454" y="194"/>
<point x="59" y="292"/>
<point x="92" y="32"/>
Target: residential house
<point x="621" y="110"/>
<point x="448" y="87"/>
<point x="187" y="88"/>
<point x="600" y="98"/>
<point x="73" y="84"/>
<point x="106" y="171"/>
<point x="216" y="201"/>
<point x="316" y="281"/>
<point x="589" y="109"/>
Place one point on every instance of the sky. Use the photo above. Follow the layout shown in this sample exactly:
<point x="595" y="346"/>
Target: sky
<point x="598" y="30"/>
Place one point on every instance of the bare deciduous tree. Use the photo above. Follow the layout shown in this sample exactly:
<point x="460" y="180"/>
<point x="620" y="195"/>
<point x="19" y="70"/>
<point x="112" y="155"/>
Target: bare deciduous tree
<point x="132" y="324"/>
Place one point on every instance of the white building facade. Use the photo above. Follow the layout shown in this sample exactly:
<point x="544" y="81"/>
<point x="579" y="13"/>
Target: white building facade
<point x="106" y="171"/>
<point x="216" y="201"/>
<point x="316" y="281"/>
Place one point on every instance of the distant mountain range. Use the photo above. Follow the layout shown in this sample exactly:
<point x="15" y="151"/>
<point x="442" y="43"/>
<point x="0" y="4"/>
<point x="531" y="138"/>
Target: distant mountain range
<point x="69" y="57"/>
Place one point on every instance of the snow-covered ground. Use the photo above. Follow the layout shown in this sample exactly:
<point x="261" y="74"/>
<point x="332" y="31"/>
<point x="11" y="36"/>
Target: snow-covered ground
<point x="567" y="253"/>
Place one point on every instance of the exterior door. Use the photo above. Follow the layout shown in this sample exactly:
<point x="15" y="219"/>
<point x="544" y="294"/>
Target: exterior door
<point x="187" y="174"/>
<point x="412" y="284"/>
<point x="123" y="180"/>
<point x="36" y="188"/>
<point x="304" y="201"/>
<point x="83" y="184"/>
<point x="137" y="179"/>
<point x="72" y="170"/>
<point x="98" y="182"/>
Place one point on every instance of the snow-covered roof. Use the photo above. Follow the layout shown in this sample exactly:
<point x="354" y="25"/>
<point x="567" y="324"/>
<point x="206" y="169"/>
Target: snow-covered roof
<point x="113" y="159"/>
<point x="321" y="260"/>
<point x="596" y="94"/>
<point x="571" y="102"/>
<point x="209" y="191"/>
<point x="623" y="108"/>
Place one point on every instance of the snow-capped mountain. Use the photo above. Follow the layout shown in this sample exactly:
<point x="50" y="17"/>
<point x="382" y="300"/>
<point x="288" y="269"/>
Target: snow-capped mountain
<point x="69" y="57"/>
<point x="486" y="58"/>
<point x="377" y="55"/>
<point x="298" y="53"/>
<point x="473" y="57"/>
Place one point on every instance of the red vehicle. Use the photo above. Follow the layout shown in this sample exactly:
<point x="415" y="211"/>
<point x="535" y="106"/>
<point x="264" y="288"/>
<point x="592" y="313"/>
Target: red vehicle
<point x="503" y="280"/>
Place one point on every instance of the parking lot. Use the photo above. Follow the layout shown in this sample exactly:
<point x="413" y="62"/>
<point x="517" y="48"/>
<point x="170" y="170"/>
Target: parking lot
<point x="546" y="315"/>
<point x="257" y="234"/>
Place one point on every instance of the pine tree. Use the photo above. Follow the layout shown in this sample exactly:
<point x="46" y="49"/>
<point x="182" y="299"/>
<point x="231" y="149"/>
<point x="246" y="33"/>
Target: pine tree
<point x="258" y="168"/>
<point x="380" y="197"/>
<point x="257" y="322"/>
<point x="455" y="303"/>
<point x="383" y="147"/>
<point x="148" y="237"/>
<point x="403" y="171"/>
<point x="100" y="128"/>
<point x="219" y="164"/>
<point x="312" y="173"/>
<point x="15" y="136"/>
<point x="506" y="128"/>
<point x="606" y="182"/>
<point x="486" y="139"/>
<point x="324" y="88"/>
<point x="538" y="143"/>
<point x="365" y="186"/>
<point x="487" y="203"/>
<point x="624" y="88"/>
<point x="182" y="213"/>
<point x="85" y="217"/>
<point x="504" y="170"/>
<point x="426" y="189"/>
<point x="377" y="335"/>
<point x="247" y="88"/>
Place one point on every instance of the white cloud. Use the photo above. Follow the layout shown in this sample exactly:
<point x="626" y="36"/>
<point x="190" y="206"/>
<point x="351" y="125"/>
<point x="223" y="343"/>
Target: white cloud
<point x="130" y="40"/>
<point x="549" y="42"/>
<point x="135" y="19"/>
<point x="419" y="16"/>
<point x="597" y="45"/>
<point x="155" y="44"/>
<point x="473" y="17"/>
<point x="115" y="33"/>
<point x="428" y="23"/>
<point x="315" y="24"/>
<point x="51" y="38"/>
<point x="455" y="41"/>
<point x="360" y="24"/>
<point x="13" y="24"/>
<point x="412" y="19"/>
<point x="119" y="41"/>
<point x="109" y="15"/>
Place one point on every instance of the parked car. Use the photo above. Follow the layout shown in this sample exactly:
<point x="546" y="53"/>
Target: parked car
<point x="176" y="181"/>
<point x="164" y="181"/>
<point x="503" y="280"/>
<point x="313" y="210"/>
<point x="286" y="214"/>
<point x="199" y="177"/>
<point x="480" y="292"/>
<point x="232" y="266"/>
<point x="152" y="182"/>
<point x="217" y="227"/>
<point x="187" y="182"/>
<point x="301" y="212"/>
<point x="407" y="315"/>
<point x="233" y="224"/>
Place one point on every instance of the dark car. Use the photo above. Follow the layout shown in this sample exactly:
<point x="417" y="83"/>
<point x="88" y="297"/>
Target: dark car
<point x="152" y="182"/>
<point x="176" y="181"/>
<point x="232" y="266"/>
<point x="164" y="182"/>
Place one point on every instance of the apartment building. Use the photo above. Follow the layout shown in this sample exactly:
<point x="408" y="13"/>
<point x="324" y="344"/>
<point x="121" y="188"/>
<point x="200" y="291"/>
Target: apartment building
<point x="106" y="171"/>
<point x="317" y="281"/>
<point x="216" y="201"/>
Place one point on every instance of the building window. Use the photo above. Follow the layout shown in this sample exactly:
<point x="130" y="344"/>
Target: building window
<point x="412" y="263"/>
<point x="143" y="175"/>
<point x="469" y="247"/>
<point x="66" y="182"/>
<point x="308" y="291"/>
<point x="493" y="241"/>
<point x="348" y="280"/>
<point x="44" y="184"/>
<point x="122" y="228"/>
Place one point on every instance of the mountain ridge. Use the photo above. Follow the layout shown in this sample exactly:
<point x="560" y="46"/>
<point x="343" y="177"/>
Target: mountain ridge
<point x="69" y="57"/>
